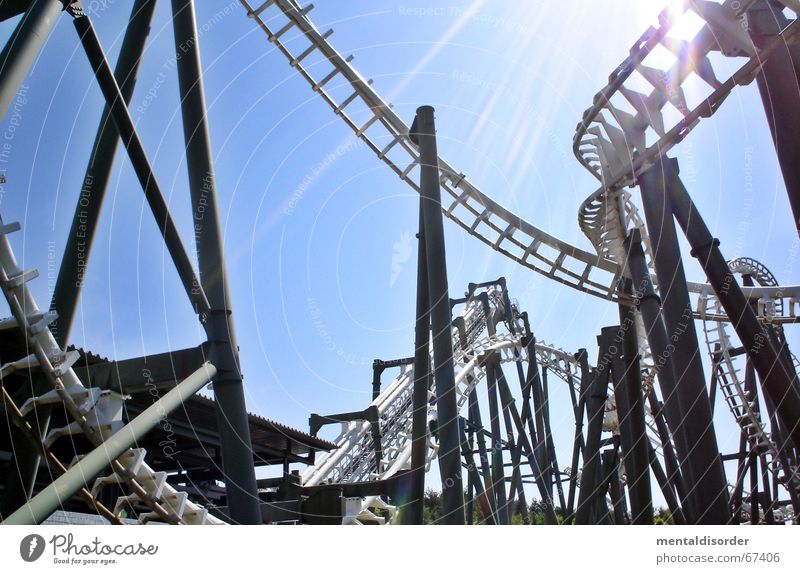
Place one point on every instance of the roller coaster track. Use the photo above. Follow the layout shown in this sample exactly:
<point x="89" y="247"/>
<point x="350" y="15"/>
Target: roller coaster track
<point x="374" y="122"/>
<point x="96" y="413"/>
<point x="610" y="142"/>
<point x="354" y="458"/>
<point x="741" y="402"/>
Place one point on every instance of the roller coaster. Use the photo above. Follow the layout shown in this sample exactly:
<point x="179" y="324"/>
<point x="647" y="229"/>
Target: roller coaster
<point x="642" y="406"/>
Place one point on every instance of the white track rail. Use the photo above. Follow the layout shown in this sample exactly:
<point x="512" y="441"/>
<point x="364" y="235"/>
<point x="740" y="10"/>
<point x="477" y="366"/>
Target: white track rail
<point x="373" y="121"/>
<point x="96" y="413"/>
<point x="731" y="384"/>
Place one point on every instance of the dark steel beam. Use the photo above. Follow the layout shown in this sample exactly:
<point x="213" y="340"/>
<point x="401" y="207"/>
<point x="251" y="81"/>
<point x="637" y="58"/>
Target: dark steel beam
<point x="75" y="260"/>
<point x="610" y="462"/>
<point x="476" y="423"/>
<point x="476" y="491"/>
<point x="141" y="165"/>
<point x="424" y="133"/>
<point x="578" y="446"/>
<point x="702" y="466"/>
<point x="498" y="477"/>
<point x="595" y="407"/>
<point x="23" y="47"/>
<point x="414" y="509"/>
<point x="551" y="447"/>
<point x="540" y="445"/>
<point x="781" y="387"/>
<point x="240" y="478"/>
<point x="779" y="85"/>
<point x="630" y="409"/>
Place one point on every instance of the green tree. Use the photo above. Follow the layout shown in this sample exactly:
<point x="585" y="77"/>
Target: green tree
<point x="432" y="506"/>
<point x="663" y="516"/>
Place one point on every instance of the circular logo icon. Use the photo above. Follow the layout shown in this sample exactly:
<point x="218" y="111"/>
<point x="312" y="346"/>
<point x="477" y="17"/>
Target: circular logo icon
<point x="31" y="548"/>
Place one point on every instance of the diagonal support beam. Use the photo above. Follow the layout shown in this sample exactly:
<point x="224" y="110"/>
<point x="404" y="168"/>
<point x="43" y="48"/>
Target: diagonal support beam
<point x="85" y="220"/>
<point x="141" y="165"/>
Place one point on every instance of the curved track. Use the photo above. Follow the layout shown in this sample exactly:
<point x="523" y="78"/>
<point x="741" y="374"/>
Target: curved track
<point x="619" y="136"/>
<point x="374" y="122"/>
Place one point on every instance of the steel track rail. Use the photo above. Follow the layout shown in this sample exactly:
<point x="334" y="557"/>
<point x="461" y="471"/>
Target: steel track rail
<point x="374" y="122"/>
<point x="95" y="414"/>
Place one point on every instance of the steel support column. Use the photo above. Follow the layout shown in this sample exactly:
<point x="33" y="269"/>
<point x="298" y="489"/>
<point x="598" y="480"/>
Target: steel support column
<point x="578" y="445"/>
<point x="422" y="384"/>
<point x="776" y="381"/>
<point x="476" y="422"/>
<point x="650" y="309"/>
<point x="424" y="134"/>
<point x="630" y="408"/>
<point x="779" y="85"/>
<point x="702" y="466"/>
<point x="22" y="49"/>
<point x="595" y="407"/>
<point x="237" y="456"/>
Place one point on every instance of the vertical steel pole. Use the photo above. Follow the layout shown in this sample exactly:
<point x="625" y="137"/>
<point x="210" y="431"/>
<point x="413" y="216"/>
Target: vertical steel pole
<point x="578" y="447"/>
<point x="779" y="85"/>
<point x="595" y="407"/>
<point x="498" y="475"/>
<point x="22" y="49"/>
<point x="16" y="59"/>
<point x="551" y="447"/>
<point x="237" y="455"/>
<point x="441" y="319"/>
<point x="610" y="462"/>
<point x="540" y="449"/>
<point x="776" y="381"/>
<point x="630" y="406"/>
<point x="474" y="480"/>
<point x="477" y="423"/>
<point x="702" y="466"/>
<point x="422" y="383"/>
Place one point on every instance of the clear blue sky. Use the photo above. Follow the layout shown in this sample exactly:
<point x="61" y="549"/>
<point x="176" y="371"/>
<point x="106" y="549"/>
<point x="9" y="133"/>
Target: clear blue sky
<point x="314" y="292"/>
